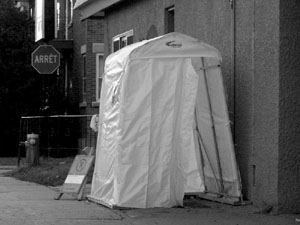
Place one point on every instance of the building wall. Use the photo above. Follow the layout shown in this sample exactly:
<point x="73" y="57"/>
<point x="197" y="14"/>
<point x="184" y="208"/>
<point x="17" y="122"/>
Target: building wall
<point x="244" y="78"/>
<point x="211" y="22"/>
<point x="140" y="15"/>
<point x="263" y="163"/>
<point x="256" y="99"/>
<point x="77" y="30"/>
<point x="94" y="34"/>
<point x="61" y="19"/>
<point x="289" y="101"/>
<point x="268" y="102"/>
<point x="85" y="34"/>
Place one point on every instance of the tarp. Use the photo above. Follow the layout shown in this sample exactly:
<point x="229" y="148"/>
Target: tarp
<point x="164" y="129"/>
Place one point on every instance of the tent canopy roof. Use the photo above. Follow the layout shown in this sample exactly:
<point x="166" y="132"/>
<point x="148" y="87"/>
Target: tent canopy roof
<point x="172" y="45"/>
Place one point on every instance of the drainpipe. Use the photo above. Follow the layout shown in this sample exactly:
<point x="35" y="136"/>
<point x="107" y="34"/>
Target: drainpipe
<point x="233" y="58"/>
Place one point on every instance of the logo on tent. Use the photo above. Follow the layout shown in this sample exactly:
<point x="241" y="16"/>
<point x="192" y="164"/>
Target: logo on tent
<point x="173" y="44"/>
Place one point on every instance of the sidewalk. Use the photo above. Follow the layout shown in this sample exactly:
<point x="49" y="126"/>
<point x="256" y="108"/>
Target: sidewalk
<point x="24" y="203"/>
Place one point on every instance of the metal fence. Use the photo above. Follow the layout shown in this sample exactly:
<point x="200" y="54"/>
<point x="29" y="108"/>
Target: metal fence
<point x="59" y="135"/>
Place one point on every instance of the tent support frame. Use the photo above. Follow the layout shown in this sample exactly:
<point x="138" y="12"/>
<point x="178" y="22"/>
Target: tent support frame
<point x="213" y="128"/>
<point x="230" y="200"/>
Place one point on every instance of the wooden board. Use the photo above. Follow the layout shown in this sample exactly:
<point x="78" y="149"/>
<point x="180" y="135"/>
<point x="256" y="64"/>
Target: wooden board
<point x="77" y="176"/>
<point x="223" y="199"/>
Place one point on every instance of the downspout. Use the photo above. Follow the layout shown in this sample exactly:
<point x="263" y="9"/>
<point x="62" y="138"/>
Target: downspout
<point x="233" y="59"/>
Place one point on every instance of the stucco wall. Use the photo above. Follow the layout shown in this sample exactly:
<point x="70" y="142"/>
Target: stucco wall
<point x="244" y="79"/>
<point x="211" y="22"/>
<point x="257" y="104"/>
<point x="252" y="81"/>
<point x="289" y="136"/>
<point x="266" y="101"/>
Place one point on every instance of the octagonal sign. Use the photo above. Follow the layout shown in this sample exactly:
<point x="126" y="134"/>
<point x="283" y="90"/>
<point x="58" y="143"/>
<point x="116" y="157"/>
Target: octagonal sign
<point x="45" y="59"/>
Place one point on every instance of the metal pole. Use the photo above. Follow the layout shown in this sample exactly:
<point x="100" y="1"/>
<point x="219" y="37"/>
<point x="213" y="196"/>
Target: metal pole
<point x="213" y="128"/>
<point x="20" y="143"/>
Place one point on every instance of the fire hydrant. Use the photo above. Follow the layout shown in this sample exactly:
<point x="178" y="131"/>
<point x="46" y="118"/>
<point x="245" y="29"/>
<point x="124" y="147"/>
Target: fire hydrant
<point x="32" y="149"/>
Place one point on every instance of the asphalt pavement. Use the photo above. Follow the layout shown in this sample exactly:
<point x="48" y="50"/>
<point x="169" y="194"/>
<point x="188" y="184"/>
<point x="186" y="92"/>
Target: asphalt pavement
<point x="25" y="203"/>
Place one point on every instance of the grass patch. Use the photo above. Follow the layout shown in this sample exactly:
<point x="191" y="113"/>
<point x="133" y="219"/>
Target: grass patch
<point x="50" y="172"/>
<point x="8" y="161"/>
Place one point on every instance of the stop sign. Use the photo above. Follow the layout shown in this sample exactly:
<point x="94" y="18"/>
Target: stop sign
<point x="45" y="59"/>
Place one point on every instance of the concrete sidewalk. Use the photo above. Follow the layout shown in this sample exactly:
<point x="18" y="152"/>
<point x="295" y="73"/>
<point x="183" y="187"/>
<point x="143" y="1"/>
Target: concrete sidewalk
<point x="24" y="203"/>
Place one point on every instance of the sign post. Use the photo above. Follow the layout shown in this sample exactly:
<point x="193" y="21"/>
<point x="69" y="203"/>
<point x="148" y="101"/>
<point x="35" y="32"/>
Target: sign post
<point x="45" y="59"/>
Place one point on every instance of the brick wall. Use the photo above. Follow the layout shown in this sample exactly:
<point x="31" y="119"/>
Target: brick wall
<point x="75" y="32"/>
<point x="61" y="19"/>
<point x="85" y="34"/>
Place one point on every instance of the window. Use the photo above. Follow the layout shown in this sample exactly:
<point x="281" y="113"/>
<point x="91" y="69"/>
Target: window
<point x="99" y="74"/>
<point x="170" y="19"/>
<point x="84" y="85"/>
<point x="122" y="40"/>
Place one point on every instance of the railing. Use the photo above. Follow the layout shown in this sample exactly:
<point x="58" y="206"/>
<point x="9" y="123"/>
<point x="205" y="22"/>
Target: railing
<point x="59" y="135"/>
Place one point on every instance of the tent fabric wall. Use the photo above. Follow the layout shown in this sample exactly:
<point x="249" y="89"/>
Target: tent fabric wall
<point x="164" y="128"/>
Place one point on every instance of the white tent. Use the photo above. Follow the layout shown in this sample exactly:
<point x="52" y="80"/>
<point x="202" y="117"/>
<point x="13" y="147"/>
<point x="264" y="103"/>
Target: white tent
<point x="164" y="128"/>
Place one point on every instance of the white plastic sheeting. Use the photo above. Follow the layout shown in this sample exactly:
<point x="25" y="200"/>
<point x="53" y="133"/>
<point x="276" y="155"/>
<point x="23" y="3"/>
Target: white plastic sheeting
<point x="163" y="125"/>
